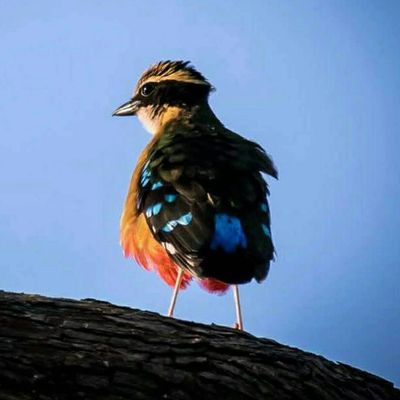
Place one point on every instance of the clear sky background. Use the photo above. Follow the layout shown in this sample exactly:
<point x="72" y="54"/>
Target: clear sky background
<point x="316" y="83"/>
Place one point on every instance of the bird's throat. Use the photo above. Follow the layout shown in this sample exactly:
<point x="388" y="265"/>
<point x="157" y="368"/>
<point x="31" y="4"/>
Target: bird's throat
<point x="155" y="122"/>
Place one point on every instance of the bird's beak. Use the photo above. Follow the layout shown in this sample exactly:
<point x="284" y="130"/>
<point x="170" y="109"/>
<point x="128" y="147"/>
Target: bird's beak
<point x="128" y="108"/>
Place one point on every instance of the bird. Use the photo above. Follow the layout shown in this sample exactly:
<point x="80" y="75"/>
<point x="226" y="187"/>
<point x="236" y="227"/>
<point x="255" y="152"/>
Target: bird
<point x="197" y="204"/>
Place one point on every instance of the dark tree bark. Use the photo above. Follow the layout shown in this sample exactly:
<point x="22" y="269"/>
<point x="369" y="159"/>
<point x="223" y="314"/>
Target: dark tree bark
<point x="66" y="349"/>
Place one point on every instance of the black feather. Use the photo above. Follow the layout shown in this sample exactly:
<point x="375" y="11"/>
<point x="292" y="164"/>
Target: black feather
<point x="205" y="200"/>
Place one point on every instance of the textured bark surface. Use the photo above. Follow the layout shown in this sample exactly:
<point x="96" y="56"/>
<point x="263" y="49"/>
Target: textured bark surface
<point x="65" y="349"/>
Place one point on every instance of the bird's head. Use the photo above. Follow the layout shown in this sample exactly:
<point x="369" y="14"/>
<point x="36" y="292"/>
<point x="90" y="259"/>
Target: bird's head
<point x="164" y="91"/>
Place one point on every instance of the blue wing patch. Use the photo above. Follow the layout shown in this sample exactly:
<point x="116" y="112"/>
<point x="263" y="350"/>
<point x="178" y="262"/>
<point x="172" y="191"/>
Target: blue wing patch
<point x="170" y="198"/>
<point x="157" y="185"/>
<point x="153" y="210"/>
<point x="266" y="230"/>
<point x="264" y="207"/>
<point x="228" y="233"/>
<point x="185" y="219"/>
<point x="145" y="175"/>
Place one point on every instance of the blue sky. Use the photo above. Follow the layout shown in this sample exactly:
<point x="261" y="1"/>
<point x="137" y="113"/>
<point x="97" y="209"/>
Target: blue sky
<point x="316" y="83"/>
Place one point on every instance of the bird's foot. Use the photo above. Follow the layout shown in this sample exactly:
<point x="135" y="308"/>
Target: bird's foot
<point x="238" y="326"/>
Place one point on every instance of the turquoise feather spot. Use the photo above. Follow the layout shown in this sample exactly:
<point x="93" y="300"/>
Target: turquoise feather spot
<point x="153" y="210"/>
<point x="157" y="185"/>
<point x="264" y="207"/>
<point x="185" y="219"/>
<point x="228" y="233"/>
<point x="145" y="181"/>
<point x="145" y="176"/>
<point x="146" y="172"/>
<point x="156" y="208"/>
<point x="266" y="230"/>
<point x="170" y="198"/>
<point x="169" y="226"/>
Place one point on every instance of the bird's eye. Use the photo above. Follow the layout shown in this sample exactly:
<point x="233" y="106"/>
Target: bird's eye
<point x="147" y="89"/>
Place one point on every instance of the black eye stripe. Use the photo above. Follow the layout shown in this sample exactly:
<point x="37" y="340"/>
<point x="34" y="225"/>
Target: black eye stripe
<point x="174" y="93"/>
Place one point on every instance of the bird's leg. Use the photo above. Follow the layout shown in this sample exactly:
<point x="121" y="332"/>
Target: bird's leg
<point x="239" y="321"/>
<point x="175" y="293"/>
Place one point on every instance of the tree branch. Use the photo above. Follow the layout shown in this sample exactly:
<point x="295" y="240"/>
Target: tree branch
<point x="67" y="349"/>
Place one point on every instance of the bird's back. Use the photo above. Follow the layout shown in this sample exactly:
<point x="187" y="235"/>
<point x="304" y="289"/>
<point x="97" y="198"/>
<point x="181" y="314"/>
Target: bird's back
<point x="199" y="189"/>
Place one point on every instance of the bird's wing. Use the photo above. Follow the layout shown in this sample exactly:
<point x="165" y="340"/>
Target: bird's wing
<point x="202" y="194"/>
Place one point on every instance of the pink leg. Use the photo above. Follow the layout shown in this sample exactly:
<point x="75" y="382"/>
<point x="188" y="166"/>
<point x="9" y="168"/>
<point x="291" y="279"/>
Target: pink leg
<point x="175" y="293"/>
<point x="239" y="321"/>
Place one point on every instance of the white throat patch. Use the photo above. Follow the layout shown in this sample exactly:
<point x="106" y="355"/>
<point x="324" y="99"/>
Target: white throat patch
<point x="149" y="123"/>
<point x="154" y="123"/>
